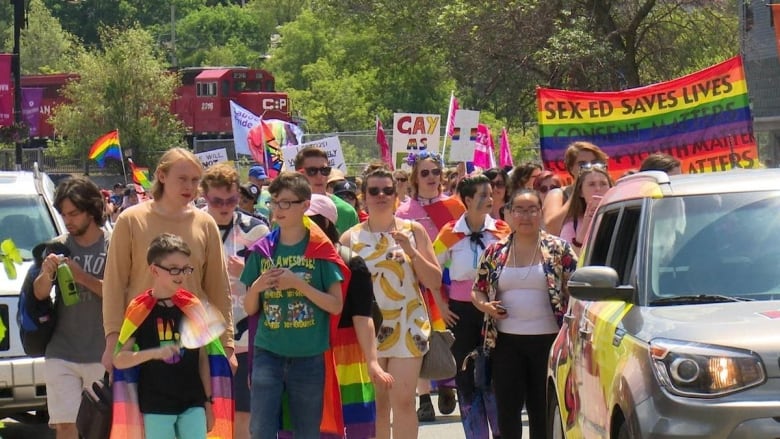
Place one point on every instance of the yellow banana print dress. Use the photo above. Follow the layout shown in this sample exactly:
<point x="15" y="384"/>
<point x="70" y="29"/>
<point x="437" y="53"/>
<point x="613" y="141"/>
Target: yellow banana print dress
<point x="405" y="327"/>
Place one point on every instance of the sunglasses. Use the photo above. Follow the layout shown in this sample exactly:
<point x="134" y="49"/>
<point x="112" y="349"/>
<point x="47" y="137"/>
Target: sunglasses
<point x="175" y="271"/>
<point x="222" y="202"/>
<point x="401" y="179"/>
<point x="544" y="188"/>
<point x="426" y="172"/>
<point x="592" y="165"/>
<point x="498" y="184"/>
<point x="375" y="191"/>
<point x="324" y="171"/>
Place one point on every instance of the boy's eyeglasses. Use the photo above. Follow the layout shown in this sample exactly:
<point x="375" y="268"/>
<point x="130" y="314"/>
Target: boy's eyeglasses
<point x="532" y="212"/>
<point x="375" y="191"/>
<point x="592" y="165"/>
<point x="312" y="171"/>
<point x="222" y="202"/>
<point x="544" y="188"/>
<point x="175" y="271"/>
<point x="283" y="205"/>
<point x="426" y="172"/>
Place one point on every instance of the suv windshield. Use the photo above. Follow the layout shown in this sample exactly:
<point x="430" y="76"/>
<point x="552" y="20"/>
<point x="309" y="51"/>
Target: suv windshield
<point x="718" y="245"/>
<point x="26" y="220"/>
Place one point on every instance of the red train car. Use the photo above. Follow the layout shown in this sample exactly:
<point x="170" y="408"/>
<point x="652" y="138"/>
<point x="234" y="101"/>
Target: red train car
<point x="202" y="101"/>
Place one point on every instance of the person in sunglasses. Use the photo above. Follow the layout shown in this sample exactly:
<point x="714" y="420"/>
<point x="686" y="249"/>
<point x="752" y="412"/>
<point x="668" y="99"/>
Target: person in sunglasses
<point x="312" y="162"/>
<point x="239" y="230"/>
<point x="498" y="183"/>
<point x="545" y="182"/>
<point x="401" y="177"/>
<point x="432" y="209"/>
<point x="591" y="184"/>
<point x="400" y="256"/>
<point x="176" y="182"/>
<point x="557" y="201"/>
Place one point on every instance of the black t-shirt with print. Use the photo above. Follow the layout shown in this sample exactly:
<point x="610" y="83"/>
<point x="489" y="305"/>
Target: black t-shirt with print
<point x="172" y="386"/>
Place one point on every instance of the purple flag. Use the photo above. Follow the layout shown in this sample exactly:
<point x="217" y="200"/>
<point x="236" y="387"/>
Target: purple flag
<point x="6" y="92"/>
<point x="31" y="107"/>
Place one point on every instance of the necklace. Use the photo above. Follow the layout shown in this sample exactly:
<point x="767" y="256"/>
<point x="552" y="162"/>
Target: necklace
<point x="426" y="201"/>
<point x="531" y="264"/>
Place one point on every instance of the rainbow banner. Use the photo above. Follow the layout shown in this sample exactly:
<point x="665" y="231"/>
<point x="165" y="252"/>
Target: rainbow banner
<point x="140" y="175"/>
<point x="703" y="119"/>
<point x="106" y="146"/>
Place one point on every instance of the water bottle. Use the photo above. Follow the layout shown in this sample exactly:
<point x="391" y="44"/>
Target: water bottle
<point x="70" y="294"/>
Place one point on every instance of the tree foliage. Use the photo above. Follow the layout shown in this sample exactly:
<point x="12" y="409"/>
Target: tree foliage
<point x="124" y="86"/>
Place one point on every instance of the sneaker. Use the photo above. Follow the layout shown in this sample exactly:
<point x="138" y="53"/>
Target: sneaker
<point x="426" y="413"/>
<point x="446" y="400"/>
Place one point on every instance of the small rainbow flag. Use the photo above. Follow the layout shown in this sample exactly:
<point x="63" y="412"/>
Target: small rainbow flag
<point x="140" y="175"/>
<point x="106" y="146"/>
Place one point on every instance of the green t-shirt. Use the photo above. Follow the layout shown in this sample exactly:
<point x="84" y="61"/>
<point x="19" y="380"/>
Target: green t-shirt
<point x="347" y="217"/>
<point x="290" y="324"/>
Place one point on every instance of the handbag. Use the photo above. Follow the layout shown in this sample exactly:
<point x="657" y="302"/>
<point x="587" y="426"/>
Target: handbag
<point x="95" y="411"/>
<point x="439" y="363"/>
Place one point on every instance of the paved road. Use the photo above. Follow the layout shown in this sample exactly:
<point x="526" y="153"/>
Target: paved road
<point x="445" y="427"/>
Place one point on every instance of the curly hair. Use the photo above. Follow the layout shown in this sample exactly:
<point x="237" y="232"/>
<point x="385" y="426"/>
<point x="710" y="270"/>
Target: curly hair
<point x="84" y="194"/>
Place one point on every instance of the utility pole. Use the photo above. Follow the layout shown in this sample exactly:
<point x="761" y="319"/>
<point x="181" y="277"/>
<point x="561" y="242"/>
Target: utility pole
<point x="16" y="71"/>
<point x="173" y="34"/>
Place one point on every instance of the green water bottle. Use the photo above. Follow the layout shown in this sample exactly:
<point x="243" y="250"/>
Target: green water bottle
<point x="70" y="294"/>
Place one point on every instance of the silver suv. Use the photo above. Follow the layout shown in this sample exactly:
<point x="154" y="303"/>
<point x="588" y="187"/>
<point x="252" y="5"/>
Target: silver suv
<point x="672" y="327"/>
<point x="28" y="218"/>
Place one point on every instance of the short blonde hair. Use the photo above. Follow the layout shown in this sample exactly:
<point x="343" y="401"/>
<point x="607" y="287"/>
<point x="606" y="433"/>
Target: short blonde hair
<point x="167" y="161"/>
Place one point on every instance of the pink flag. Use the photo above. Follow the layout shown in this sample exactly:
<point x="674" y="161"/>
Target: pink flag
<point x="6" y="91"/>
<point x="451" y="114"/>
<point x="381" y="140"/>
<point x="484" y="148"/>
<point x="31" y="107"/>
<point x="505" y="154"/>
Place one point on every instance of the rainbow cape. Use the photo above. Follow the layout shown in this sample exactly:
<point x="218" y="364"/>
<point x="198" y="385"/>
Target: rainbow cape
<point x="127" y="418"/>
<point x="703" y="119"/>
<point x="106" y="146"/>
<point x="348" y="402"/>
<point x="140" y="175"/>
<point x="448" y="237"/>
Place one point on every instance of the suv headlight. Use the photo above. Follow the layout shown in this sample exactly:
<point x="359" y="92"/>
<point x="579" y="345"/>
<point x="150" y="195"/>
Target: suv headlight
<point x="704" y="371"/>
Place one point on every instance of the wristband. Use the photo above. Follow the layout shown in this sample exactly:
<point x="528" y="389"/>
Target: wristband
<point x="209" y="399"/>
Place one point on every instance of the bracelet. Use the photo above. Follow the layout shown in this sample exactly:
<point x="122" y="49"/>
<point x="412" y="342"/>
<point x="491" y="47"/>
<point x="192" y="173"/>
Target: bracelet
<point x="209" y="399"/>
<point x="575" y="242"/>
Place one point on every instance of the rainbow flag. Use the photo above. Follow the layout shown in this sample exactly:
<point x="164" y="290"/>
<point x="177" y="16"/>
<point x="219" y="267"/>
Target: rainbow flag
<point x="140" y="175"/>
<point x="703" y="119"/>
<point x="127" y="417"/>
<point x="266" y="140"/>
<point x="106" y="146"/>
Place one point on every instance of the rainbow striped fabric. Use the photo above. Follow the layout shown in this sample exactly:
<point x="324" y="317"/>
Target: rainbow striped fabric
<point x="127" y="418"/>
<point x="106" y="146"/>
<point x="140" y="175"/>
<point x="703" y="119"/>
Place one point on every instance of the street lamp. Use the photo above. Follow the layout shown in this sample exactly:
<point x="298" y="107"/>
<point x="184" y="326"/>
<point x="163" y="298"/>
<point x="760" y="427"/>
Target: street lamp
<point x="16" y="71"/>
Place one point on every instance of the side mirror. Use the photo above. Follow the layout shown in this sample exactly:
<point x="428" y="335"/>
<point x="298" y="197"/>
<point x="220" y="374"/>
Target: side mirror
<point x="599" y="283"/>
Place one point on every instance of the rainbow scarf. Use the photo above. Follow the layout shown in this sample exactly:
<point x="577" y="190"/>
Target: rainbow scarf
<point x="448" y="237"/>
<point x="127" y="418"/>
<point x="346" y="376"/>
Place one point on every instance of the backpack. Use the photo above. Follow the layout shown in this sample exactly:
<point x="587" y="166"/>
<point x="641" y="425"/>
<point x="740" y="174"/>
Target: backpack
<point x="36" y="318"/>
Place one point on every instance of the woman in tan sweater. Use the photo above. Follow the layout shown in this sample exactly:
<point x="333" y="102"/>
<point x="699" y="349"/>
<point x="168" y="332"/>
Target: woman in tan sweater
<point x="176" y="181"/>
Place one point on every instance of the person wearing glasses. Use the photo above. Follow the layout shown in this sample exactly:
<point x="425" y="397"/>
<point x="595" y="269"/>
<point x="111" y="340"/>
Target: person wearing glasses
<point x="545" y="182"/>
<point x="432" y="209"/>
<point x="312" y="162"/>
<point x="401" y="177"/>
<point x="557" y="201"/>
<point x="294" y="278"/>
<point x="171" y="210"/>
<point x="498" y="183"/>
<point x="400" y="256"/>
<point x="591" y="184"/>
<point x="458" y="248"/>
<point x="239" y="230"/>
<point x="521" y="287"/>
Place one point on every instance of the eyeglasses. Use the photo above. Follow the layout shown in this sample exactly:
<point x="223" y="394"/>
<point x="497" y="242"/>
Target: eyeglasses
<point x="312" y="171"/>
<point x="498" y="184"/>
<point x="592" y="165"/>
<point x="531" y="211"/>
<point x="283" y="205"/>
<point x="544" y="188"/>
<point x="387" y="190"/>
<point x="401" y="179"/>
<point x="426" y="172"/>
<point x="175" y="271"/>
<point x="222" y="202"/>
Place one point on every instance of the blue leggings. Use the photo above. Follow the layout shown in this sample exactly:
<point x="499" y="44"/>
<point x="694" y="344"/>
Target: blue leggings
<point x="190" y="424"/>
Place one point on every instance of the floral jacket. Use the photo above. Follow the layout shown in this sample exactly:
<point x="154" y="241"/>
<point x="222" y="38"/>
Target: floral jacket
<point x="558" y="259"/>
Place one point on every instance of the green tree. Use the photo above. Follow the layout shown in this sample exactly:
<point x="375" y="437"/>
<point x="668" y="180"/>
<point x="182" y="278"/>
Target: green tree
<point x="45" y="46"/>
<point x="123" y="86"/>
